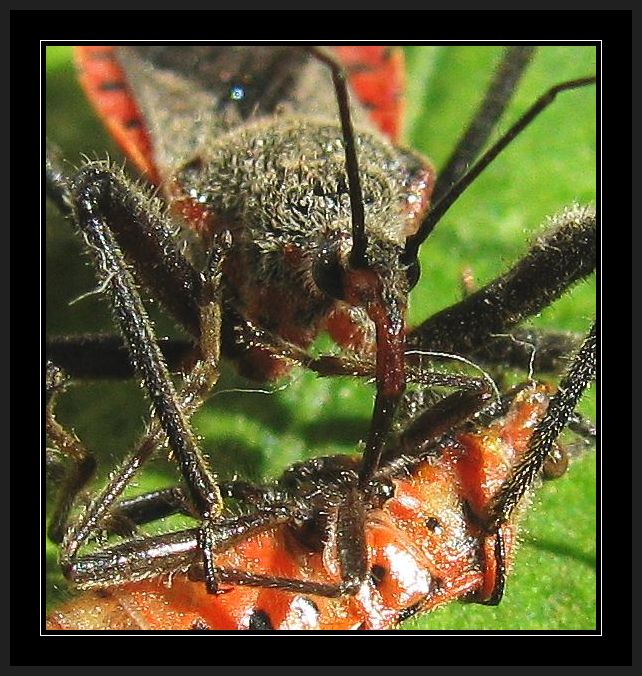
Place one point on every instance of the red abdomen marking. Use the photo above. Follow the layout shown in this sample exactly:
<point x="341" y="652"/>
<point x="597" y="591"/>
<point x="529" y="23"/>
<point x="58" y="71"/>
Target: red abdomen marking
<point x="105" y="85"/>
<point x="375" y="74"/>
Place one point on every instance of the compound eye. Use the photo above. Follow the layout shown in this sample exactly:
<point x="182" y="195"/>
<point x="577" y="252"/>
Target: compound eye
<point x="412" y="274"/>
<point x="327" y="273"/>
<point x="192" y="169"/>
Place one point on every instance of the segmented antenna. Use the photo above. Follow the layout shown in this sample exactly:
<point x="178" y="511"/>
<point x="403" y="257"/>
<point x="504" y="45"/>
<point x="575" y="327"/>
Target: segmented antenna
<point x="359" y="239"/>
<point x="436" y="213"/>
<point x="499" y="94"/>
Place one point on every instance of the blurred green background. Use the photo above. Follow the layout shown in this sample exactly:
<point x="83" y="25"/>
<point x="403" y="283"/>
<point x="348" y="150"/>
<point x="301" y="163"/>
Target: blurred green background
<point x="256" y="434"/>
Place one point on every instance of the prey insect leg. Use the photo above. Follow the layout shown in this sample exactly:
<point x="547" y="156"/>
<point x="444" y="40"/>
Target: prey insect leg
<point x="530" y="349"/>
<point x="436" y="421"/>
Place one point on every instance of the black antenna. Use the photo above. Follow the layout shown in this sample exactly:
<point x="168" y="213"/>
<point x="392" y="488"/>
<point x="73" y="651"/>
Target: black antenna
<point x="435" y="214"/>
<point x="359" y="238"/>
<point x="501" y="90"/>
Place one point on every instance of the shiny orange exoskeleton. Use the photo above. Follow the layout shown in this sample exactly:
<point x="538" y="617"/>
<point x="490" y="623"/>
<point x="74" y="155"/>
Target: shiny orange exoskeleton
<point x="424" y="550"/>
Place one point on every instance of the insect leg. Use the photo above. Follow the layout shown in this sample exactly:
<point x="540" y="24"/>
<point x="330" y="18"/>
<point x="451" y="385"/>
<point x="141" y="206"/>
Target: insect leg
<point x="560" y="409"/>
<point x="558" y="259"/>
<point x="530" y="349"/>
<point x="440" y="419"/>
<point x="126" y="514"/>
<point x="102" y="356"/>
<point x="148" y="243"/>
<point x="91" y="189"/>
<point x="106" y="355"/>
<point x="82" y="470"/>
<point x="329" y="590"/>
<point x="239" y="334"/>
<point x="583" y="427"/>
<point x="240" y="577"/>
<point x="149" y="507"/>
<point x="348" y="523"/>
<point x="167" y="553"/>
<point x="159" y="504"/>
<point x="56" y="183"/>
<point x="144" y="235"/>
<point x="558" y="459"/>
<point x="98" y="198"/>
<point x="103" y="508"/>
<point x="83" y="463"/>
<point x="500" y="91"/>
<point x="98" y="510"/>
<point x="153" y="506"/>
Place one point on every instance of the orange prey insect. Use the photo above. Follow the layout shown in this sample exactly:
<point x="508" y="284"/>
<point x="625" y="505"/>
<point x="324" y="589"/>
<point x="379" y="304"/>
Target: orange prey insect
<point x="424" y="547"/>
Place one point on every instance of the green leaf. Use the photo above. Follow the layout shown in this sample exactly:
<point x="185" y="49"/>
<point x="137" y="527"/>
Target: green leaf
<point x="552" y="585"/>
